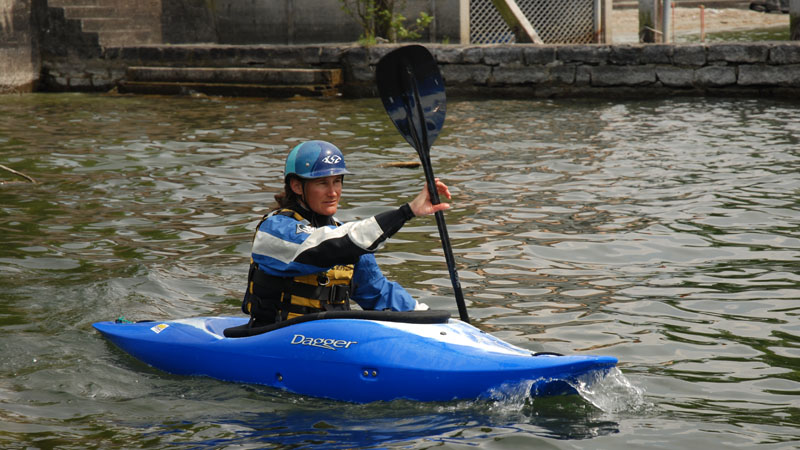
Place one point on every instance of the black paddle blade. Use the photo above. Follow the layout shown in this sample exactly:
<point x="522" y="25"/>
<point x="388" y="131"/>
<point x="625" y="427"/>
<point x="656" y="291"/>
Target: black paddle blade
<point x="412" y="91"/>
<point x="403" y="76"/>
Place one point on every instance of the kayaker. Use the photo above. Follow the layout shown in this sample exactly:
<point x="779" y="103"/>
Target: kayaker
<point x="304" y="260"/>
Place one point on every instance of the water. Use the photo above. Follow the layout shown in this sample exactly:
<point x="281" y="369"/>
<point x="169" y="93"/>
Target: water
<point x="662" y="232"/>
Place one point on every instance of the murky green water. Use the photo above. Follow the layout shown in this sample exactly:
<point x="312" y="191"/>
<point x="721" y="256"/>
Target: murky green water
<point x="664" y="233"/>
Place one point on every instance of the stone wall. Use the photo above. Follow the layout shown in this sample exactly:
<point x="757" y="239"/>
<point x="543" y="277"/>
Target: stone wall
<point x="519" y="71"/>
<point x="635" y="70"/>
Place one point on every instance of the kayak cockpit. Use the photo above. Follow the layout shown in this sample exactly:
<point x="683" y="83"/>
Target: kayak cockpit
<point x="421" y="317"/>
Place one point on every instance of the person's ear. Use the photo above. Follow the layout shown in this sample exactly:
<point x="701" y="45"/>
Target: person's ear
<point x="297" y="186"/>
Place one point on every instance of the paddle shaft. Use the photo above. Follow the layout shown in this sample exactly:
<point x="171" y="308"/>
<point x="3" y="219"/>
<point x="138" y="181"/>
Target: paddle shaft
<point x="422" y="145"/>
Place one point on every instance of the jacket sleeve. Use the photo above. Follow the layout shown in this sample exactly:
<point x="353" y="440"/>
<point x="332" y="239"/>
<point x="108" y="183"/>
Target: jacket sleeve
<point x="374" y="291"/>
<point x="284" y="246"/>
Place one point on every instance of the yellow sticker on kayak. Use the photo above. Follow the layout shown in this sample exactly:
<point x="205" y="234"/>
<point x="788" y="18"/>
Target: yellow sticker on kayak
<point x="159" y="328"/>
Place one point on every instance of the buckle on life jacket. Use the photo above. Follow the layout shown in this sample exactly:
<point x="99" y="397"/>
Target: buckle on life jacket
<point x="338" y="294"/>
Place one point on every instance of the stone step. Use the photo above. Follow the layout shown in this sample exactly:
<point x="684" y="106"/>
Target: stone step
<point x="223" y="89"/>
<point x="237" y="75"/>
<point x="141" y="23"/>
<point x="122" y="38"/>
<point x="63" y="3"/>
<point x="88" y="11"/>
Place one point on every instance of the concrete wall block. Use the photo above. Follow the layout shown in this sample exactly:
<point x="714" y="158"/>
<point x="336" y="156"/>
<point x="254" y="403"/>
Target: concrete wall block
<point x="623" y="76"/>
<point x="675" y="76"/>
<point x="538" y="54"/>
<point x="785" y="53"/>
<point x="80" y="82"/>
<point x="517" y="75"/>
<point x="273" y="56"/>
<point x="360" y="73"/>
<point x="587" y="54"/>
<point x="202" y="56"/>
<point x="129" y="55"/>
<point x="330" y="54"/>
<point x="168" y="55"/>
<point x="657" y="54"/>
<point x="355" y="60"/>
<point x="210" y="56"/>
<point x="97" y="73"/>
<point x="766" y="75"/>
<point x="641" y="54"/>
<point x="505" y="55"/>
<point x="111" y="53"/>
<point x="466" y="74"/>
<point x="376" y="52"/>
<point x="715" y="76"/>
<point x="625" y="54"/>
<point x="563" y="75"/>
<point x="446" y="54"/>
<point x="738" y="53"/>
<point x="689" y="55"/>
<point x="310" y="55"/>
<point x="356" y="54"/>
<point x="472" y="55"/>
<point x="583" y="76"/>
<point x="116" y="74"/>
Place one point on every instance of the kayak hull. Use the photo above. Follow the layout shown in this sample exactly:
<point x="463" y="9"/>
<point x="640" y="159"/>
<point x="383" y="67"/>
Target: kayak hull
<point x="354" y="360"/>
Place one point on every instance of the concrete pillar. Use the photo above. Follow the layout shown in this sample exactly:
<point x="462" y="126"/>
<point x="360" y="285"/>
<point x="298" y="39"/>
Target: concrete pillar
<point x="602" y="21"/>
<point x="794" y="20"/>
<point x="20" y="61"/>
<point x="666" y="20"/>
<point x="648" y="13"/>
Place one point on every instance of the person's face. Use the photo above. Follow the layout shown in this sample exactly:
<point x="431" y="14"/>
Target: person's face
<point x="321" y="194"/>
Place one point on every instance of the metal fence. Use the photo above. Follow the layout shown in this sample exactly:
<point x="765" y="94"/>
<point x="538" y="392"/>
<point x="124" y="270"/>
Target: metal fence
<point x="556" y="21"/>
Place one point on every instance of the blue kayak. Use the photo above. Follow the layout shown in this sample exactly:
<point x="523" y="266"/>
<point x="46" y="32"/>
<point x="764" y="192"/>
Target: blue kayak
<point x="355" y="356"/>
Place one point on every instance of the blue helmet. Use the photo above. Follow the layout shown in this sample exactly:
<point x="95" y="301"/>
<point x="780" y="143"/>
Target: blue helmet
<point x="315" y="159"/>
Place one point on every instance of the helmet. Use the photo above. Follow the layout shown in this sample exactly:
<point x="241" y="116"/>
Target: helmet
<point x="315" y="159"/>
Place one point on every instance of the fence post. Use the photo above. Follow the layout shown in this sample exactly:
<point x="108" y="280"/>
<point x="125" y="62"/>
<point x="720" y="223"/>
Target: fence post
<point x="666" y="17"/>
<point x="647" y="20"/>
<point x="608" y="8"/>
<point x="432" y="27"/>
<point x="794" y="20"/>
<point x="602" y="20"/>
<point x="597" y="21"/>
<point x="463" y="19"/>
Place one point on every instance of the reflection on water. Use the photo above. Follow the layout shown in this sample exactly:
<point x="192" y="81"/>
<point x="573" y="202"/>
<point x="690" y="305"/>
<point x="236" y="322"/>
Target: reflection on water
<point x="664" y="233"/>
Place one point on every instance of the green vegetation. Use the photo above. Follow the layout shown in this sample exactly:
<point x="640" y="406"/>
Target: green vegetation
<point x="380" y="21"/>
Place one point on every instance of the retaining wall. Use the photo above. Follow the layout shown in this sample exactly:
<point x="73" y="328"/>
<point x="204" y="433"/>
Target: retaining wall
<point x="635" y="70"/>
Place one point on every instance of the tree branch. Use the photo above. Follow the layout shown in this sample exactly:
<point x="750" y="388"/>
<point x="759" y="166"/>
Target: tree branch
<point x="18" y="173"/>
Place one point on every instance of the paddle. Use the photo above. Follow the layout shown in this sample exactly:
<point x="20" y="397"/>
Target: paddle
<point x="412" y="91"/>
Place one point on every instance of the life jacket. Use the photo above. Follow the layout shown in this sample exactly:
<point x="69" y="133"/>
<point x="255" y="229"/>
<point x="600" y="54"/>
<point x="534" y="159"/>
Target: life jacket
<point x="269" y="299"/>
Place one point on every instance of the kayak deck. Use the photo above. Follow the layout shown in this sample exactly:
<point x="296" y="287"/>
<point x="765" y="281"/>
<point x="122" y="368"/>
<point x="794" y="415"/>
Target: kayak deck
<point x="353" y="359"/>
